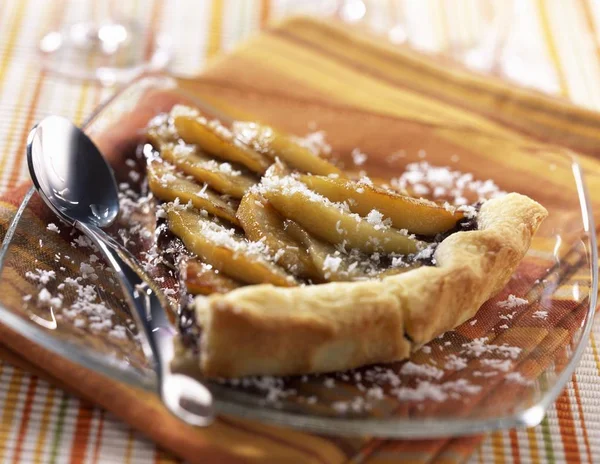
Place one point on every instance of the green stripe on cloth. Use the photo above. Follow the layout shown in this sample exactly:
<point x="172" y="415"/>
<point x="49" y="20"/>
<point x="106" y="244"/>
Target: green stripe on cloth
<point x="58" y="432"/>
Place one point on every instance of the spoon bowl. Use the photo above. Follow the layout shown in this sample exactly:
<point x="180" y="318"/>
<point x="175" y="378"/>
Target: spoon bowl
<point x="71" y="174"/>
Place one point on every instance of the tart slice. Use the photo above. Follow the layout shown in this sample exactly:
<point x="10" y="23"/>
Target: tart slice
<point x="313" y="271"/>
<point x="342" y="325"/>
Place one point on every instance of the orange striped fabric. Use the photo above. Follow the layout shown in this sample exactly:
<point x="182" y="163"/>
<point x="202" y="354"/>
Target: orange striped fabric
<point x="39" y="422"/>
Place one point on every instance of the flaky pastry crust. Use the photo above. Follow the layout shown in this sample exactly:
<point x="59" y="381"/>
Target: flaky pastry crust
<point x="263" y="329"/>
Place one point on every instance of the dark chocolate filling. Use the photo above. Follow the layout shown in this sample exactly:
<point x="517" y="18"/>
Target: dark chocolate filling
<point x="188" y="328"/>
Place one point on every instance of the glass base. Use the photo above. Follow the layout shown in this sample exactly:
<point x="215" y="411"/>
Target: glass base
<point x="110" y="52"/>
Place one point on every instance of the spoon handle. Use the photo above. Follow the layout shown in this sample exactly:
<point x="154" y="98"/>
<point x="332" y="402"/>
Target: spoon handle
<point x="185" y="397"/>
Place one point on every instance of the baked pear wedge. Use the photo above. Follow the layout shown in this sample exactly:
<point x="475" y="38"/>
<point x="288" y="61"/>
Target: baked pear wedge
<point x="417" y="215"/>
<point x="221" y="176"/>
<point x="268" y="141"/>
<point x="216" y="139"/>
<point x="330" y="264"/>
<point x="225" y="249"/>
<point x="331" y="221"/>
<point x="261" y="221"/>
<point x="334" y="266"/>
<point x="203" y="279"/>
<point x="167" y="184"/>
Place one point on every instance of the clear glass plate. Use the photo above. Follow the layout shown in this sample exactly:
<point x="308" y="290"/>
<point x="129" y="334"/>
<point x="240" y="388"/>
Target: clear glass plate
<point x="503" y="368"/>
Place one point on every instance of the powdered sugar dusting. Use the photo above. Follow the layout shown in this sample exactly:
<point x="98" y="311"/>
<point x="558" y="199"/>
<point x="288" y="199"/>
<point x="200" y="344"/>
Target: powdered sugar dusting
<point x="331" y="263"/>
<point x="455" y="363"/>
<point x="376" y="219"/>
<point x="503" y="365"/>
<point x="421" y="370"/>
<point x="41" y="275"/>
<point x="358" y="157"/>
<point x="315" y="142"/>
<point x="437" y="392"/>
<point x="442" y="182"/>
<point x="479" y="346"/>
<point x="512" y="301"/>
<point x="517" y="377"/>
<point x="53" y="228"/>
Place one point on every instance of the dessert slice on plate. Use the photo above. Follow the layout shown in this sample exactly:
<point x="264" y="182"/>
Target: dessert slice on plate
<point x="301" y="267"/>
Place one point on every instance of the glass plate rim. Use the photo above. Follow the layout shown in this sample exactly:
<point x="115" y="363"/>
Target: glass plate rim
<point x="389" y="428"/>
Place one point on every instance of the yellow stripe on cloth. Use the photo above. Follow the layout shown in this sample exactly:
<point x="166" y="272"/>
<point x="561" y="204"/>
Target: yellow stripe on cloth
<point x="533" y="446"/>
<point x="42" y="439"/>
<point x="17" y="132"/>
<point x="10" y="407"/>
<point x="498" y="442"/>
<point x="215" y="29"/>
<point x="550" y="43"/>
<point x="11" y="39"/>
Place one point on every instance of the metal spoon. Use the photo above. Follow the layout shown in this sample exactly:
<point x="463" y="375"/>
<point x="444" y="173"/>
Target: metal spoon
<point x="75" y="181"/>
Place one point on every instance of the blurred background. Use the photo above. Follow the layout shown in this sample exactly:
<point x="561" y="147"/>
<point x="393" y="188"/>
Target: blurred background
<point x="519" y="40"/>
<point x="53" y="53"/>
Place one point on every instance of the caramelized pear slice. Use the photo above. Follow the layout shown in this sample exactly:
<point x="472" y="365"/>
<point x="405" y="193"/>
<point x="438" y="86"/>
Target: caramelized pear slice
<point x="260" y="221"/>
<point x="225" y="249"/>
<point x="418" y="216"/>
<point x="203" y="279"/>
<point x="335" y="266"/>
<point x="266" y="140"/>
<point x="330" y="264"/>
<point x="332" y="222"/>
<point x="223" y="177"/>
<point x="216" y="139"/>
<point x="167" y="184"/>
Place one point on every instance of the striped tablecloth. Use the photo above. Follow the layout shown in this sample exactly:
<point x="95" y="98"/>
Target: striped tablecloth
<point x="555" y="41"/>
